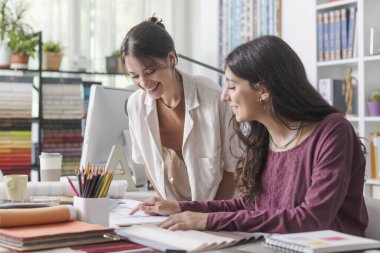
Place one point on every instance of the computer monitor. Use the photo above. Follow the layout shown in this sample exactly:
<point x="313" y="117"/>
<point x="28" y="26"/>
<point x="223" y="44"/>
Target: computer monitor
<point x="106" y="126"/>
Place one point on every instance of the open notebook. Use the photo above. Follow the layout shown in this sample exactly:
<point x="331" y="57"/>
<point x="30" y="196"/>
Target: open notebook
<point x="189" y="241"/>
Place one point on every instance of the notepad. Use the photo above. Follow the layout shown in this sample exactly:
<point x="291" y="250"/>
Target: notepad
<point x="320" y="241"/>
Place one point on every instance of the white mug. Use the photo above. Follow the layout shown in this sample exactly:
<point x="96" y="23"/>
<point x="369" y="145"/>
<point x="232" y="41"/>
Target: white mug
<point x="15" y="187"/>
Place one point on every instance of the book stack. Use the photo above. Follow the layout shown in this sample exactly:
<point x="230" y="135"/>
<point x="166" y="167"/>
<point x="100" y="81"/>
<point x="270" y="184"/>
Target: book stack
<point x="63" y="111"/>
<point x="15" y="124"/>
<point x="337" y="34"/>
<point x="46" y="228"/>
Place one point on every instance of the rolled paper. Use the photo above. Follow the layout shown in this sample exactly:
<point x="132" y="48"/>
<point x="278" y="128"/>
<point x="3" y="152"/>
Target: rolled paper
<point x="36" y="216"/>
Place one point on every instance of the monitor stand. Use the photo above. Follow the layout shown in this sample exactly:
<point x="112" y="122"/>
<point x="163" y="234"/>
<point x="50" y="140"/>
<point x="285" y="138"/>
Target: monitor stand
<point x="119" y="165"/>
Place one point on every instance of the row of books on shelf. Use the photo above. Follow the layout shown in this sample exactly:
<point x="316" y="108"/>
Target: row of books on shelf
<point x="337" y="34"/>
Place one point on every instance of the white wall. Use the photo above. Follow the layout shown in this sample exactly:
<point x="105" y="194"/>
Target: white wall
<point x="299" y="31"/>
<point x="195" y="33"/>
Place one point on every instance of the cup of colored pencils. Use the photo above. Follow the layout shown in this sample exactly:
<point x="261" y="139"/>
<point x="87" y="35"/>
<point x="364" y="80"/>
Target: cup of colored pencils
<point x="92" y="202"/>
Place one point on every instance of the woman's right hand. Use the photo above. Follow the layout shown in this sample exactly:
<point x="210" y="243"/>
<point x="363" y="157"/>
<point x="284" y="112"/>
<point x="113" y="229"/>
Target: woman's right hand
<point x="157" y="206"/>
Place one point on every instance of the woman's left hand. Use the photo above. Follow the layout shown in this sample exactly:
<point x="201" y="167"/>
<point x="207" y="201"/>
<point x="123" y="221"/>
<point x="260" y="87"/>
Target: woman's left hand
<point x="186" y="221"/>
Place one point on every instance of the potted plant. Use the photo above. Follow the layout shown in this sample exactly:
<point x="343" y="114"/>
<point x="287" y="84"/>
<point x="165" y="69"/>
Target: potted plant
<point x="5" y="52"/>
<point x="52" y="55"/>
<point x="113" y="63"/>
<point x="22" y="43"/>
<point x="374" y="104"/>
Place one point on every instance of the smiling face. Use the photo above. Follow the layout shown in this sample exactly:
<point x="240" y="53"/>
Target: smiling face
<point x="154" y="80"/>
<point x="242" y="98"/>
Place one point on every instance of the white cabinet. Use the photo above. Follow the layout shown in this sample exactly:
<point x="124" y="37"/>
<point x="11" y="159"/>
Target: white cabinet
<point x="366" y="68"/>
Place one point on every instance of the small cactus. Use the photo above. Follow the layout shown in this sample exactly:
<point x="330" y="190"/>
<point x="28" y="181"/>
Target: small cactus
<point x="375" y="96"/>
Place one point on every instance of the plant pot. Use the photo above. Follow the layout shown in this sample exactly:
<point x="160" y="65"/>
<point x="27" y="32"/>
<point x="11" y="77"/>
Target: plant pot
<point x="114" y="65"/>
<point x="52" y="61"/>
<point x="19" y="61"/>
<point x="5" y="55"/>
<point x="373" y="108"/>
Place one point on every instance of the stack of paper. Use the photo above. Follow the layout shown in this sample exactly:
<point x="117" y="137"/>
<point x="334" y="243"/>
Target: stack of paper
<point x="188" y="241"/>
<point x="53" y="235"/>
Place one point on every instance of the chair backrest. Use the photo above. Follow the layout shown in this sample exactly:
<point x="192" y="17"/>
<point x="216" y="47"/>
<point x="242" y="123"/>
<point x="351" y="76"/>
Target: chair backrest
<point x="373" y="208"/>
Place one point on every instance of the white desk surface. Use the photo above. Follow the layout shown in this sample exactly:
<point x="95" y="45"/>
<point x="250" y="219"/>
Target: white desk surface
<point x="141" y="194"/>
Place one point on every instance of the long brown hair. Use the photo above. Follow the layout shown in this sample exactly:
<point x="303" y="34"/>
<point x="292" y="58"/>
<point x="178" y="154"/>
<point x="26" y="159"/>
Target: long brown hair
<point x="269" y="62"/>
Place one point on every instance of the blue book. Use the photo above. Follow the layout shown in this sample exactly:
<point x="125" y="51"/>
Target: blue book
<point x="343" y="31"/>
<point x="338" y="49"/>
<point x="320" y="37"/>
<point x="326" y="44"/>
<point x="332" y="35"/>
<point x="351" y="32"/>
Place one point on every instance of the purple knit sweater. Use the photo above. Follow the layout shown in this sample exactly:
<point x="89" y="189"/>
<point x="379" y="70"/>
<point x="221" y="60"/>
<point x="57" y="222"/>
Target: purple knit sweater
<point x="316" y="185"/>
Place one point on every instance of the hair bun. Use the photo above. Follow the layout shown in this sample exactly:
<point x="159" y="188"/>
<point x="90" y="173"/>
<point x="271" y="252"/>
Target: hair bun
<point x="154" y="20"/>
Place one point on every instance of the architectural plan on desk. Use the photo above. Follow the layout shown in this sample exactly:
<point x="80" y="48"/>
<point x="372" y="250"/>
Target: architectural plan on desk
<point x="119" y="214"/>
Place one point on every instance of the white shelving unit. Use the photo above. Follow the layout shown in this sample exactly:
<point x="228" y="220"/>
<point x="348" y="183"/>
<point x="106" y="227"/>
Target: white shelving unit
<point x="366" y="68"/>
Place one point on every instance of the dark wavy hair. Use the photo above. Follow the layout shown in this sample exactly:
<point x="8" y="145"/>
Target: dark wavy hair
<point x="148" y="41"/>
<point x="270" y="63"/>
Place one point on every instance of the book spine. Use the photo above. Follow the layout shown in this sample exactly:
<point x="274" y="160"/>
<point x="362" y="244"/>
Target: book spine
<point x="338" y="49"/>
<point x="343" y="22"/>
<point x="338" y="96"/>
<point x="351" y="31"/>
<point x="332" y="35"/>
<point x="326" y="44"/>
<point x="320" y="37"/>
<point x="373" y="154"/>
<point x="377" y="154"/>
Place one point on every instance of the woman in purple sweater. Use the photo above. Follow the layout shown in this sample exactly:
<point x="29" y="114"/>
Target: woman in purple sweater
<point x="304" y="166"/>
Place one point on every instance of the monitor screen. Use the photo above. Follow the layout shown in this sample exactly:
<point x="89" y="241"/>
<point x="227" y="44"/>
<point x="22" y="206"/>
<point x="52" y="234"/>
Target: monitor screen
<point x="106" y="126"/>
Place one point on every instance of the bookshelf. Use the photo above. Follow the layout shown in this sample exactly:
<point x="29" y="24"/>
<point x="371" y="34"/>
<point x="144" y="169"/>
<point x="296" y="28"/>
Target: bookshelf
<point x="45" y="123"/>
<point x="365" y="67"/>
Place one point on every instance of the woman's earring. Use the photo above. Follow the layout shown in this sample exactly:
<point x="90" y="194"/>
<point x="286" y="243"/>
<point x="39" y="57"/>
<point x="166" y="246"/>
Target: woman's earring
<point x="259" y="100"/>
